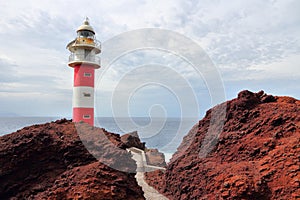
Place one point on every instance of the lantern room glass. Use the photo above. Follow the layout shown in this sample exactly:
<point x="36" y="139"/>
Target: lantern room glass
<point x="86" y="34"/>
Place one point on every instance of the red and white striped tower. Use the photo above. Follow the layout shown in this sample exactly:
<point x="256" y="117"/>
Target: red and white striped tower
<point x="84" y="60"/>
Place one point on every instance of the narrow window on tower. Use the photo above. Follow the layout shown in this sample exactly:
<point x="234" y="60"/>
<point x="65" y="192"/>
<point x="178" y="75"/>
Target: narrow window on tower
<point x="87" y="74"/>
<point x="86" y="116"/>
<point x="87" y="94"/>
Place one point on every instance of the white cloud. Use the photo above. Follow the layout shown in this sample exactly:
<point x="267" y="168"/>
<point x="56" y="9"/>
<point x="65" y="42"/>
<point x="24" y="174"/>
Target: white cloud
<point x="248" y="40"/>
<point x="287" y="68"/>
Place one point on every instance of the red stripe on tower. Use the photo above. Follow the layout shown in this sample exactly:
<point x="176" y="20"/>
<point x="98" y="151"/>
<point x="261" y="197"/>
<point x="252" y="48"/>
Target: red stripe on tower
<point x="84" y="75"/>
<point x="84" y="60"/>
<point x="83" y="114"/>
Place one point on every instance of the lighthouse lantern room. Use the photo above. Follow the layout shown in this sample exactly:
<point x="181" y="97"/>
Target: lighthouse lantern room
<point x="84" y="60"/>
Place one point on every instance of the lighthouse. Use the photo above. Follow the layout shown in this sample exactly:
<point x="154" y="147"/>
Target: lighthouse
<point x="84" y="59"/>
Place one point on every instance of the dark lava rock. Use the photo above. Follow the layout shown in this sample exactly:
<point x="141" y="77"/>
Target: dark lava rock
<point x="153" y="156"/>
<point x="50" y="161"/>
<point x="256" y="155"/>
<point x="132" y="140"/>
<point x="156" y="158"/>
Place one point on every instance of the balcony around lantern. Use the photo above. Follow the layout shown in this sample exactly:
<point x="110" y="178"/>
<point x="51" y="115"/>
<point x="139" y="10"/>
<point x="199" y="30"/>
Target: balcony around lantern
<point x="86" y="43"/>
<point x="78" y="59"/>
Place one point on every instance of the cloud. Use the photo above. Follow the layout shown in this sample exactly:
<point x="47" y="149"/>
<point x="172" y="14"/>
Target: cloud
<point x="7" y="71"/>
<point x="242" y="33"/>
<point x="249" y="41"/>
<point x="287" y="68"/>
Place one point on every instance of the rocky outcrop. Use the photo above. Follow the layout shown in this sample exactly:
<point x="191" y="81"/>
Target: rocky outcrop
<point x="256" y="155"/>
<point x="132" y="140"/>
<point x="50" y="161"/>
<point x="155" y="158"/>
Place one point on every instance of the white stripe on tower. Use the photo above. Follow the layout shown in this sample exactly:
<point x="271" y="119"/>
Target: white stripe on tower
<point x="83" y="97"/>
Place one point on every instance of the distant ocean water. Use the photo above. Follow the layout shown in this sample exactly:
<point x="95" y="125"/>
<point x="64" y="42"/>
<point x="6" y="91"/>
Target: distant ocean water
<point x="163" y="134"/>
<point x="12" y="124"/>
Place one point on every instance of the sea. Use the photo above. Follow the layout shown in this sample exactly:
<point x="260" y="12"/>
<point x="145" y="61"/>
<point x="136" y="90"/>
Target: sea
<point x="164" y="134"/>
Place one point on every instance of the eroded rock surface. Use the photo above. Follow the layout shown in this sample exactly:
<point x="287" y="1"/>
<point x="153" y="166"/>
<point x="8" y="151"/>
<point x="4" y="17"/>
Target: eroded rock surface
<point x="49" y="161"/>
<point x="256" y="155"/>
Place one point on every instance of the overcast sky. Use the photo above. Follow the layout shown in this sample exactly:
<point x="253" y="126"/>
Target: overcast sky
<point x="253" y="44"/>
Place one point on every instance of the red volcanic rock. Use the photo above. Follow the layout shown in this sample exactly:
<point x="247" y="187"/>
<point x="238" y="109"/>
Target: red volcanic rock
<point x="49" y="161"/>
<point x="256" y="155"/>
